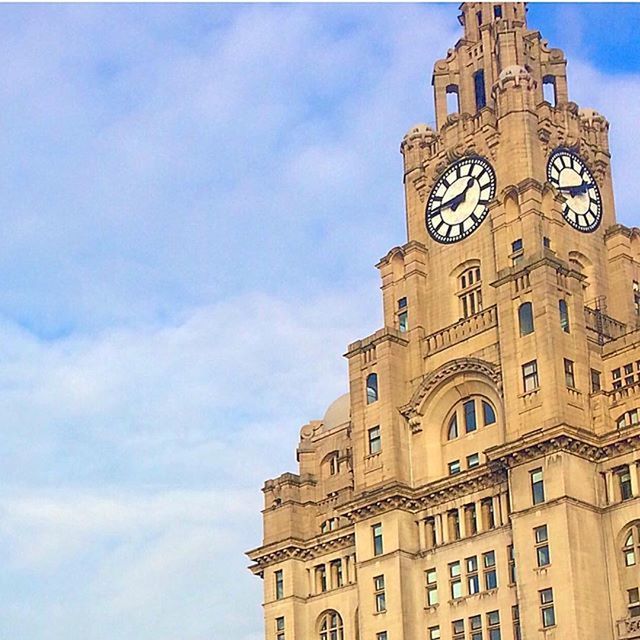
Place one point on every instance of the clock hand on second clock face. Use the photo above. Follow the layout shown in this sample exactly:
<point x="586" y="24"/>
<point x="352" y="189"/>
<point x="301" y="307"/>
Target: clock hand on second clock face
<point x="578" y="190"/>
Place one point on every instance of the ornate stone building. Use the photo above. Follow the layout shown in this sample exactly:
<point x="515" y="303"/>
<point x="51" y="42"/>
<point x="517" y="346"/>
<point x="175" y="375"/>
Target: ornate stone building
<point x="480" y="480"/>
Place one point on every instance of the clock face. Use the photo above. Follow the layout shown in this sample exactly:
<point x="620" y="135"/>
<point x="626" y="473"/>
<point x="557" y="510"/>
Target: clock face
<point x="459" y="201"/>
<point x="582" y="207"/>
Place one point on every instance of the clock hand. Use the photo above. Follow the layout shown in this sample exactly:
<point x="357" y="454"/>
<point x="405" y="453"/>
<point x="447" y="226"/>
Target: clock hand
<point x="463" y="194"/>
<point x="576" y="190"/>
<point x="456" y="201"/>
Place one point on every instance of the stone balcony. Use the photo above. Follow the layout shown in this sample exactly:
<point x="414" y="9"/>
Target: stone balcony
<point x="629" y="628"/>
<point x="461" y="330"/>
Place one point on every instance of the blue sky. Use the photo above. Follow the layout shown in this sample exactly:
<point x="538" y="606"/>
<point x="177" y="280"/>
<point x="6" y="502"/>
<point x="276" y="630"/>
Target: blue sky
<point x="193" y="198"/>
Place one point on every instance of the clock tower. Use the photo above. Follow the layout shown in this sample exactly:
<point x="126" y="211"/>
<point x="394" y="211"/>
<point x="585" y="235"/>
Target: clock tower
<point x="480" y="479"/>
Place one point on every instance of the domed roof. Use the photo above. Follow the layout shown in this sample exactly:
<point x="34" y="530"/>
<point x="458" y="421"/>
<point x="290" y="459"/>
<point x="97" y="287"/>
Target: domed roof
<point x="419" y="131"/>
<point x="338" y="412"/>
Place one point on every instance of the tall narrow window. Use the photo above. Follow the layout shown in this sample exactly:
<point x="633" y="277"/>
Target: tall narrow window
<point x="633" y="598"/>
<point x="430" y="532"/>
<point x="488" y="413"/>
<point x="321" y="578"/>
<point x="473" y="580"/>
<point x="530" y="380"/>
<point x="380" y="599"/>
<point x="537" y="486"/>
<point x="624" y="482"/>
<point x="453" y="523"/>
<point x="452" y="431"/>
<point x="475" y="626"/>
<point x="470" y="292"/>
<point x="515" y="617"/>
<point x="636" y="297"/>
<point x="455" y="580"/>
<point x="549" y="90"/>
<point x="631" y="547"/>
<point x="376" y="533"/>
<point x="470" y="519"/>
<point x="375" y="441"/>
<point x="457" y="630"/>
<point x="337" y="578"/>
<point x="547" y="611"/>
<point x="432" y="587"/>
<point x="511" y="564"/>
<point x="453" y="99"/>
<point x="493" y="625"/>
<point x="525" y="318"/>
<point x="372" y="387"/>
<point x="488" y="515"/>
<point x="278" y="578"/>
<point x="280" y="628"/>
<point x="542" y="545"/>
<point x="469" y="408"/>
<point x="563" y="309"/>
<point x="489" y="568"/>
<point x="596" y="384"/>
<point x="569" y="378"/>
<point x="478" y="83"/>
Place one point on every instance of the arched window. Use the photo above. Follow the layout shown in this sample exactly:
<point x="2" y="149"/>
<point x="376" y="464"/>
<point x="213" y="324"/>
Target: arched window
<point x="372" y="387"/>
<point x="481" y="95"/>
<point x="631" y="546"/>
<point x="564" y="316"/>
<point x="453" y="99"/>
<point x="331" y="627"/>
<point x="525" y="318"/>
<point x="471" y="412"/>
<point x="470" y="292"/>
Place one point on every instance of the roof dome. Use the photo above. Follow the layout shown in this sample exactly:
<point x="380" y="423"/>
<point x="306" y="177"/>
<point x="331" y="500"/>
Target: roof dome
<point x="338" y="412"/>
<point x="513" y="71"/>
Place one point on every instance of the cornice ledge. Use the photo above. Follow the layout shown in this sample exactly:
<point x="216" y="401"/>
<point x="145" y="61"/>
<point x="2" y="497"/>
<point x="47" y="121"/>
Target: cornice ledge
<point x="403" y="250"/>
<point x="460" y="365"/>
<point x="546" y="259"/>
<point x="386" y="334"/>
<point x="296" y="549"/>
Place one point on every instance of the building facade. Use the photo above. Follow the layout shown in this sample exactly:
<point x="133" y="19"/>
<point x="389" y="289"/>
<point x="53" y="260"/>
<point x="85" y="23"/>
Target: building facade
<point x="481" y="479"/>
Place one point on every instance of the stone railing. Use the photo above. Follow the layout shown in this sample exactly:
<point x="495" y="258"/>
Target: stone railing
<point x="620" y="395"/>
<point x="461" y="330"/>
<point x="603" y="327"/>
<point x="629" y="628"/>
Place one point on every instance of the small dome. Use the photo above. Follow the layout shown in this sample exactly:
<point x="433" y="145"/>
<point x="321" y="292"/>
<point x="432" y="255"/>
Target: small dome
<point x="338" y="413"/>
<point x="419" y="131"/>
<point x="590" y="115"/>
<point x="514" y="71"/>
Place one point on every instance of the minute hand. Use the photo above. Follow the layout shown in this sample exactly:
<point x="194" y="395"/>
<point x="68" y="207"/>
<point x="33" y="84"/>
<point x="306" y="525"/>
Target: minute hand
<point x="457" y="200"/>
<point x="577" y="190"/>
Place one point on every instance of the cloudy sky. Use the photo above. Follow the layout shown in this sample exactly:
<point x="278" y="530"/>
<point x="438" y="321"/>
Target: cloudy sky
<point x="192" y="199"/>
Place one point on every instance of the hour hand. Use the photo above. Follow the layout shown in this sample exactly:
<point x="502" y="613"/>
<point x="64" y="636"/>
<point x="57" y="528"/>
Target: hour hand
<point x="577" y="190"/>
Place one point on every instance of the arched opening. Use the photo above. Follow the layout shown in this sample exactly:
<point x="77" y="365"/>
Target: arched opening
<point x="331" y="626"/>
<point x="372" y="388"/>
<point x="453" y="99"/>
<point x="549" y="90"/>
<point x="525" y="318"/>
<point x="481" y="94"/>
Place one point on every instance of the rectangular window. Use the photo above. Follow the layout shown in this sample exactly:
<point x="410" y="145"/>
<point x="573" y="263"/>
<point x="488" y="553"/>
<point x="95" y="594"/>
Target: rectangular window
<point x="337" y="579"/>
<point x="537" y="486"/>
<point x="617" y="378"/>
<point x="381" y="635"/>
<point x="596" y="384"/>
<point x="278" y="577"/>
<point x="624" y="482"/>
<point x="569" y="378"/>
<point x="402" y="303"/>
<point x="454" y="467"/>
<point x="636" y="296"/>
<point x="321" y="578"/>
<point x="375" y="441"/>
<point x="633" y="599"/>
<point x="489" y="570"/>
<point x="473" y="580"/>
<point x="280" y="628"/>
<point x="434" y="633"/>
<point x="497" y="12"/>
<point x="403" y="322"/>
<point x="478" y="83"/>
<point x="515" y="617"/>
<point x="457" y="630"/>
<point x="473" y="460"/>
<point x="380" y="600"/>
<point x="530" y="380"/>
<point x="493" y="625"/>
<point x="430" y="532"/>
<point x="376" y="532"/>
<point x="546" y="242"/>
<point x="542" y="546"/>
<point x="547" y="612"/>
<point x="432" y="587"/>
<point x="475" y="625"/>
<point x="516" y="245"/>
<point x="628" y="374"/>
<point x="455" y="580"/>
<point x="511" y="564"/>
<point x="470" y="519"/>
<point x="488" y="515"/>
<point x="453" y="524"/>
<point x="469" y="409"/>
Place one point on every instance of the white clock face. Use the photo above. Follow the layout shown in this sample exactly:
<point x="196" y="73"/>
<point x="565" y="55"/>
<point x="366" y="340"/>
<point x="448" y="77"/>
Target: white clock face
<point x="582" y="207"/>
<point x="459" y="201"/>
